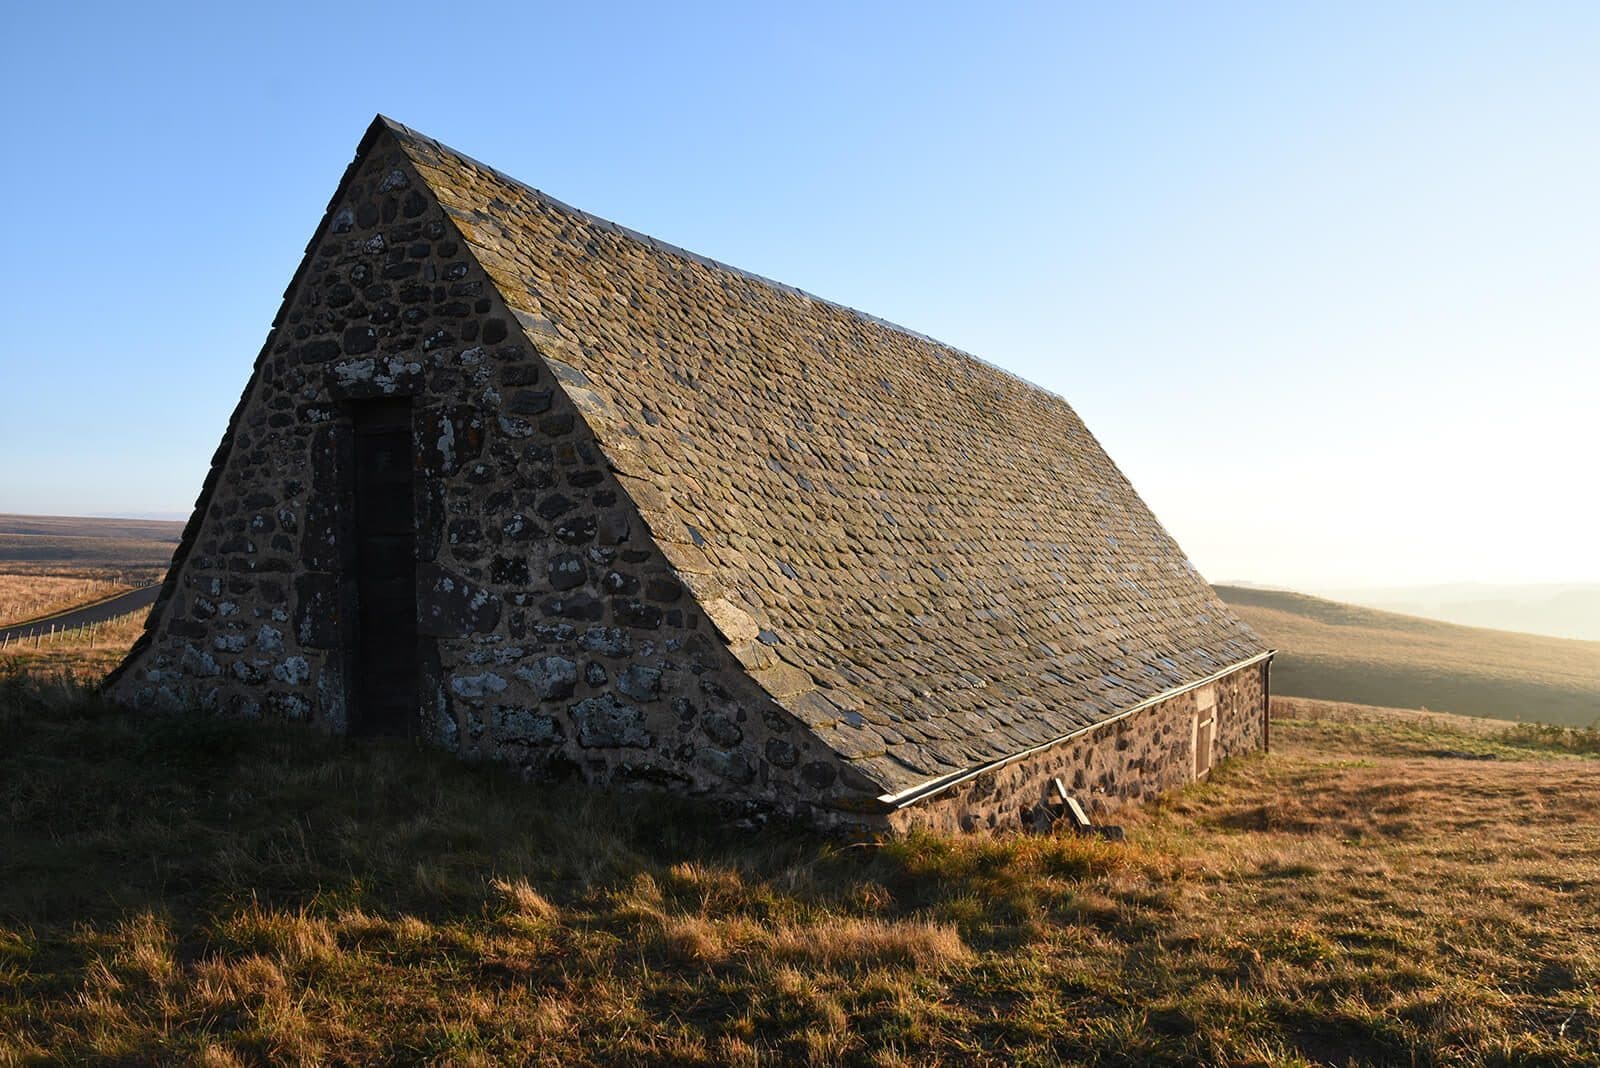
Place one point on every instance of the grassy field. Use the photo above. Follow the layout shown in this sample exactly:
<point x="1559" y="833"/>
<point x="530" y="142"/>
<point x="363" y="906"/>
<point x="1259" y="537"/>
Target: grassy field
<point x="52" y="563"/>
<point x="25" y="597"/>
<point x="1383" y="888"/>
<point x="1342" y="652"/>
<point x="85" y="654"/>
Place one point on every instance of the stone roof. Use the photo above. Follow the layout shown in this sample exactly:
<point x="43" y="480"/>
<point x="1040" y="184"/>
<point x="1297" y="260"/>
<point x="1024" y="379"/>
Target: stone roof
<point x="929" y="560"/>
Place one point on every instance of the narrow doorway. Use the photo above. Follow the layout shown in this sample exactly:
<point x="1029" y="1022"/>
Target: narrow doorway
<point x="385" y="683"/>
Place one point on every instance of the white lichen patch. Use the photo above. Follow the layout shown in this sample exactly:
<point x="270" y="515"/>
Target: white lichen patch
<point x="294" y="671"/>
<point x="478" y="685"/>
<point x="269" y="639"/>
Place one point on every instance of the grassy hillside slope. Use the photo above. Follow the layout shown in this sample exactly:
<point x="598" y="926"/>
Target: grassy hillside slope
<point x="1343" y="652"/>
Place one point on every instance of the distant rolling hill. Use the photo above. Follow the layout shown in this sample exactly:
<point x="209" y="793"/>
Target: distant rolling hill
<point x="44" y="540"/>
<point x="1347" y="653"/>
<point x="1561" y="610"/>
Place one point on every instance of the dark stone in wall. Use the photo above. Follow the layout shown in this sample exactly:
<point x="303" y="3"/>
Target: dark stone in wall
<point x="360" y="339"/>
<point x="566" y="571"/>
<point x="612" y="528"/>
<point x="578" y="606"/>
<point x="578" y="530"/>
<point x="554" y="506"/>
<point x="551" y="677"/>
<point x="556" y="425"/>
<point x="619" y="583"/>
<point x="607" y="641"/>
<point x="509" y="570"/>
<point x="731" y="766"/>
<point x="722" y="730"/>
<point x="319" y="542"/>
<point x="530" y="401"/>
<point x="327" y="448"/>
<point x="631" y="613"/>
<point x="528" y="725"/>
<point x="662" y="588"/>
<point x="819" y="774"/>
<point x="519" y="527"/>
<point x="319" y="351"/>
<point x="449" y="606"/>
<point x="252" y="564"/>
<point x="781" y="753"/>
<point x="607" y="722"/>
<point x="465" y="531"/>
<point x="640" y="683"/>
<point x="316" y="610"/>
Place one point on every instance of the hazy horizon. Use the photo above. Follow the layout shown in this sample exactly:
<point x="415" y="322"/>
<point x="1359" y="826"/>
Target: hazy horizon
<point x="1320" y="280"/>
<point x="1316" y="590"/>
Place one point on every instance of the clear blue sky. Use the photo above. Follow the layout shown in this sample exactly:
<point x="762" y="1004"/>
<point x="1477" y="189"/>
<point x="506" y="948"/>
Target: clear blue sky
<point x="1323" y="277"/>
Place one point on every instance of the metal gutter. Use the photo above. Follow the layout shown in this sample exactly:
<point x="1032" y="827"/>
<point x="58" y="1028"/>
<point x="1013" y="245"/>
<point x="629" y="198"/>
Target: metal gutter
<point x="939" y="786"/>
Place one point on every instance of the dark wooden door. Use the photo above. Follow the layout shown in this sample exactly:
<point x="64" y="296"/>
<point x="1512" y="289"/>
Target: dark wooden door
<point x="385" y="570"/>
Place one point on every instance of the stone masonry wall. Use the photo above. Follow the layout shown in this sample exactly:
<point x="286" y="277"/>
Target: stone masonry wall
<point x="555" y="636"/>
<point x="1119" y="763"/>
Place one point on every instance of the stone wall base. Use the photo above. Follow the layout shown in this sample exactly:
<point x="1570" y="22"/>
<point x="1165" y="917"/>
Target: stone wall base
<point x="1107" y="767"/>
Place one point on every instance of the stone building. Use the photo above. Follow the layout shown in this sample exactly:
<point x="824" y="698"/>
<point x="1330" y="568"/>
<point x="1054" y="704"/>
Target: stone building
<point x="546" y="491"/>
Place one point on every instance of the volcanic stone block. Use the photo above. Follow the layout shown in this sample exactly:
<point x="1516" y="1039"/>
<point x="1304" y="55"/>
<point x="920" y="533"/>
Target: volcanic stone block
<point x="606" y="722"/>
<point x="552" y="677"/>
<point x="640" y="683"/>
<point x="316" y="610"/>
<point x="566" y="571"/>
<point x="528" y="725"/>
<point x="449" y="606"/>
<point x="319" y="543"/>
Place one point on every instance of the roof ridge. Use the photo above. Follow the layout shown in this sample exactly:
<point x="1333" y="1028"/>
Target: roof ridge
<point x="670" y="249"/>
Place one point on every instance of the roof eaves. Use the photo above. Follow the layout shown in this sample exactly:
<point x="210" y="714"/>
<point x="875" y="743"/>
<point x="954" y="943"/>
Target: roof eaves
<point x="921" y="792"/>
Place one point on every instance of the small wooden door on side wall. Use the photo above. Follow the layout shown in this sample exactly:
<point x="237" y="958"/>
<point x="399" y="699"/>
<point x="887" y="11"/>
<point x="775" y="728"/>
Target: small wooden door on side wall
<point x="1205" y="730"/>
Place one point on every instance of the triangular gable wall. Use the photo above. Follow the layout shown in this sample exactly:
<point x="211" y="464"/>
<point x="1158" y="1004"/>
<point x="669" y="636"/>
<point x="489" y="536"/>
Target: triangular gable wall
<point x="555" y="633"/>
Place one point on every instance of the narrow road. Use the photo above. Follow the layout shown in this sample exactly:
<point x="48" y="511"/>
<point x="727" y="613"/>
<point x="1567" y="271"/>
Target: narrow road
<point x="99" y="612"/>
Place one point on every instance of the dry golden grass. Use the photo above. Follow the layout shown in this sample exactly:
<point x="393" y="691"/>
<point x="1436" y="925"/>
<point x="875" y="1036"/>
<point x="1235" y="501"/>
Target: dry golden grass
<point x="125" y="573"/>
<point x="1343" y="652"/>
<point x="1372" y="892"/>
<point x="85" y="653"/>
<point x="24" y="597"/>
